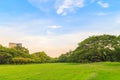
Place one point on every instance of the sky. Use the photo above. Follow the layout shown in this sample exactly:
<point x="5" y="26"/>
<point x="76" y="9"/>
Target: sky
<point x="56" y="26"/>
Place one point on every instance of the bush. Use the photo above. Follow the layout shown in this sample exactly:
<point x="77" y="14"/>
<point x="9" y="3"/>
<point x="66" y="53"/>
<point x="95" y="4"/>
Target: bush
<point x="21" y="60"/>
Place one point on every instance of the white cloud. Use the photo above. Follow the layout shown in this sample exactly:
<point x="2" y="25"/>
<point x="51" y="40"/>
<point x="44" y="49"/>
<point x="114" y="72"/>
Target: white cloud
<point x="63" y="7"/>
<point x="50" y="29"/>
<point x="54" y="27"/>
<point x="104" y="5"/>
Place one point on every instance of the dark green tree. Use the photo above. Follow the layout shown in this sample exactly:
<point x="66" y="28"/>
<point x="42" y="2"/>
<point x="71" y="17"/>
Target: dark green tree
<point x="65" y="57"/>
<point x="97" y="48"/>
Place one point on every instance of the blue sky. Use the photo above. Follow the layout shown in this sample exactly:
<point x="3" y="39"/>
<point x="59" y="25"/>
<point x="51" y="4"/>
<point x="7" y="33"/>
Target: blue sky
<point x="56" y="26"/>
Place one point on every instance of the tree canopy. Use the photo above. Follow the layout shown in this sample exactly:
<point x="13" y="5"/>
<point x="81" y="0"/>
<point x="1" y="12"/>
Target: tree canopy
<point x="20" y="55"/>
<point x="97" y="48"/>
<point x="94" y="49"/>
<point x="40" y="57"/>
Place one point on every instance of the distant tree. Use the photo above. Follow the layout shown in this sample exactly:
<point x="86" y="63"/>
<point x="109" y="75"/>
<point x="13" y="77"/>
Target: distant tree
<point x="53" y="60"/>
<point x="7" y="54"/>
<point x="40" y="57"/>
<point x="20" y="55"/>
<point x="65" y="57"/>
<point x="22" y="49"/>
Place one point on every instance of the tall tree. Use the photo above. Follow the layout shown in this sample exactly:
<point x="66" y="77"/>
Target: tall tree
<point x="97" y="48"/>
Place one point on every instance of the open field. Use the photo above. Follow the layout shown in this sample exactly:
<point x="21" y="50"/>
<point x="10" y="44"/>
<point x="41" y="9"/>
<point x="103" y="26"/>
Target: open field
<point x="61" y="71"/>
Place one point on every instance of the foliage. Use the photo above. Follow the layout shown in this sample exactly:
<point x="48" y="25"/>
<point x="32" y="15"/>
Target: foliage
<point x="20" y="55"/>
<point x="21" y="60"/>
<point x="65" y="57"/>
<point x="97" y="48"/>
<point x="5" y="57"/>
<point x="40" y="57"/>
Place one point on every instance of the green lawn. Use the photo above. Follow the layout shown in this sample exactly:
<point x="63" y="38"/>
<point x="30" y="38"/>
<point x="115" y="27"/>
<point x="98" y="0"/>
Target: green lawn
<point x="61" y="71"/>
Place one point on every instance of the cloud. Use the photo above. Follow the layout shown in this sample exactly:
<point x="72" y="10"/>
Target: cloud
<point x="62" y="7"/>
<point x="54" y="27"/>
<point x="43" y="5"/>
<point x="65" y="6"/>
<point x="104" y="5"/>
<point x="102" y="14"/>
<point x="50" y="29"/>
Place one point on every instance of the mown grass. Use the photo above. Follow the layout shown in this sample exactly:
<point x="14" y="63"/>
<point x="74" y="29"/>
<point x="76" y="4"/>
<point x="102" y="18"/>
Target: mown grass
<point x="61" y="71"/>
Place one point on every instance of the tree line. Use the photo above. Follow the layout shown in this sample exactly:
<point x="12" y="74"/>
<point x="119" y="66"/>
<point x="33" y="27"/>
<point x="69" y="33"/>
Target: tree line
<point x="93" y="49"/>
<point x="20" y="55"/>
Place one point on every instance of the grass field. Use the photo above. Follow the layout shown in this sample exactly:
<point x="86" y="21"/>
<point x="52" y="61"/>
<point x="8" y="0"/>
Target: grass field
<point x="61" y="71"/>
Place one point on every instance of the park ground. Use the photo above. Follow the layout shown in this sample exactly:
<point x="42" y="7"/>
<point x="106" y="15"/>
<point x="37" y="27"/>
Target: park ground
<point x="61" y="71"/>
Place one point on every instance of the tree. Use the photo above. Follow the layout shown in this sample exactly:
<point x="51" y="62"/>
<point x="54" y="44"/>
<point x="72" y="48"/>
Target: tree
<point x="65" y="57"/>
<point x="10" y="55"/>
<point x="20" y="55"/>
<point x="5" y="58"/>
<point x="40" y="57"/>
<point x="97" y="48"/>
<point x="22" y="49"/>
